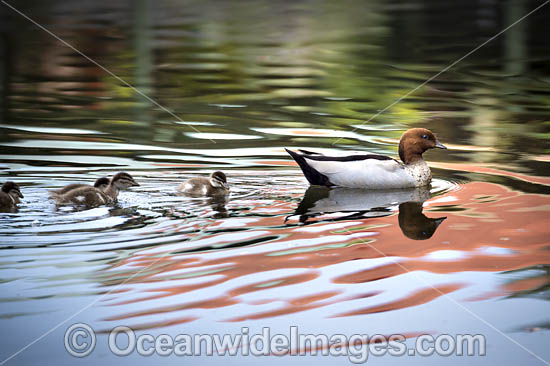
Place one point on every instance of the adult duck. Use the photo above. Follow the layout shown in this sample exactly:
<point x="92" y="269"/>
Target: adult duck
<point x="371" y="171"/>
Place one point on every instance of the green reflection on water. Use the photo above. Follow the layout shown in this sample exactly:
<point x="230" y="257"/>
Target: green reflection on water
<point x="329" y="66"/>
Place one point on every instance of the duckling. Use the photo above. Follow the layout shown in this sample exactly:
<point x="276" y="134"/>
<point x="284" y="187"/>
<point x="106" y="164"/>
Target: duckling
<point x="92" y="196"/>
<point x="9" y="197"/>
<point x="100" y="183"/>
<point x="214" y="185"/>
<point x="373" y="171"/>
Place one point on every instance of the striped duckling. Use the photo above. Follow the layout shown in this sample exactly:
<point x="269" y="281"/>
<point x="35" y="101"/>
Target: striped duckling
<point x="91" y="196"/>
<point x="100" y="183"/>
<point x="9" y="197"/>
<point x="372" y="171"/>
<point x="214" y="185"/>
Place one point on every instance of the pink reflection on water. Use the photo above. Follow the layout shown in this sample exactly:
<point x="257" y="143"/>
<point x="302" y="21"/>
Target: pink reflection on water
<point x="288" y="273"/>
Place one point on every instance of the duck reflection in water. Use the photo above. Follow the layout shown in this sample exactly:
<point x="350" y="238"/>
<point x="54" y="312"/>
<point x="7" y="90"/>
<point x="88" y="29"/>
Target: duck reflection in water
<point x="355" y="203"/>
<point x="414" y="224"/>
<point x="217" y="204"/>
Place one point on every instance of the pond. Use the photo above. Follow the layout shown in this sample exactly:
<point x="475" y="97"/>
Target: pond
<point x="171" y="90"/>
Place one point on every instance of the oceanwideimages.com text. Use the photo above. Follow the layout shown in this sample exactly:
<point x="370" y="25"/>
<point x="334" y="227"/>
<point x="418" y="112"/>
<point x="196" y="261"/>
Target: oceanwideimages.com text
<point x="80" y="341"/>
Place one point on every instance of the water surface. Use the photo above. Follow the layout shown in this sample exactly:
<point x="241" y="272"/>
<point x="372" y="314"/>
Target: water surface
<point x="229" y="86"/>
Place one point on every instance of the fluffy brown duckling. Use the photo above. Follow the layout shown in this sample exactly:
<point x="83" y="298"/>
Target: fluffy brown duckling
<point x="214" y="185"/>
<point x="92" y="196"/>
<point x="100" y="183"/>
<point x="9" y="196"/>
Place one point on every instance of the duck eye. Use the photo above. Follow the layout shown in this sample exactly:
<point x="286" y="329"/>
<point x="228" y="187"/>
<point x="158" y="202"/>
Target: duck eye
<point x="425" y="137"/>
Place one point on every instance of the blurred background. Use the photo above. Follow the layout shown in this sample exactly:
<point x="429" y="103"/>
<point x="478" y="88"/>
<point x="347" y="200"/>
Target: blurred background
<point x="182" y="88"/>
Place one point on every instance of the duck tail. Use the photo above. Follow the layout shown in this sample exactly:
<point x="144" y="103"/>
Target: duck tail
<point x="312" y="175"/>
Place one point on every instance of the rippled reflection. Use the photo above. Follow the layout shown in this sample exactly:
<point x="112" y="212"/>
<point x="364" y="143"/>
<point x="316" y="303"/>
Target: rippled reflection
<point x="353" y="203"/>
<point x="262" y="255"/>
<point x="414" y="224"/>
<point x="238" y="82"/>
<point x="318" y="200"/>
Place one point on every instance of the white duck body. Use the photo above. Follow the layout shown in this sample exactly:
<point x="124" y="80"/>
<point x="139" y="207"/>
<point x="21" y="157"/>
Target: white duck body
<point x="372" y="173"/>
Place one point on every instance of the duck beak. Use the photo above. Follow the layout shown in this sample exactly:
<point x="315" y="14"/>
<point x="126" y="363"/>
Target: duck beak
<point x="20" y="194"/>
<point x="135" y="184"/>
<point x="439" y="145"/>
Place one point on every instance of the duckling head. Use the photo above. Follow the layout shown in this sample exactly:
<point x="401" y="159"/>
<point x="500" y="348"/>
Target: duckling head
<point x="101" y="183"/>
<point x="123" y="180"/>
<point x="415" y="142"/>
<point x="13" y="190"/>
<point x="219" y="180"/>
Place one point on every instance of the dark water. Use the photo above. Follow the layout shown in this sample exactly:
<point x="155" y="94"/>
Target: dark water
<point x="228" y="86"/>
